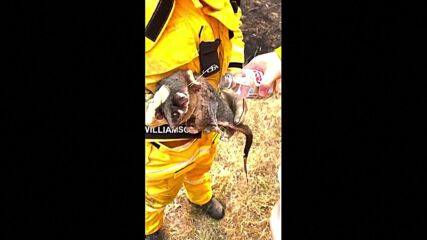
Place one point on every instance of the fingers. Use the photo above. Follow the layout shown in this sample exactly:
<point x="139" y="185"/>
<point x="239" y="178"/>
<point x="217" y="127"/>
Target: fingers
<point x="150" y="113"/>
<point x="267" y="81"/>
<point x="240" y="110"/>
<point x="148" y="95"/>
<point x="256" y="63"/>
<point x="152" y="116"/>
<point x="237" y="104"/>
<point x="272" y="73"/>
<point x="160" y="96"/>
<point x="270" y="65"/>
<point x="228" y="95"/>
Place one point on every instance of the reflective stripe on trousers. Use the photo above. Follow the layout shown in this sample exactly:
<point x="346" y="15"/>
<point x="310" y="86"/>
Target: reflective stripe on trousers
<point x="168" y="169"/>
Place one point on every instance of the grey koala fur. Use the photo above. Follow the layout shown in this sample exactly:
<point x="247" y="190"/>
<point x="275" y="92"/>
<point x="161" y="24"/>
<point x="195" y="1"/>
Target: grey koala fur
<point x="197" y="104"/>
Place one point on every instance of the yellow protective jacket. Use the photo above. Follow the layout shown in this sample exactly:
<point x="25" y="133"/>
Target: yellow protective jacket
<point x="189" y="34"/>
<point x="279" y="52"/>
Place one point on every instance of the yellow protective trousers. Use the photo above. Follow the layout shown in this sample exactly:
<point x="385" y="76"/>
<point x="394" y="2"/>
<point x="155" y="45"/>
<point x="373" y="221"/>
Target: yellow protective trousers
<point x="167" y="169"/>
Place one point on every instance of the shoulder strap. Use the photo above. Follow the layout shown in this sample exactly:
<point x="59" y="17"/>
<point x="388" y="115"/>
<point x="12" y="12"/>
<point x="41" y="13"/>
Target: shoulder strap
<point x="157" y="15"/>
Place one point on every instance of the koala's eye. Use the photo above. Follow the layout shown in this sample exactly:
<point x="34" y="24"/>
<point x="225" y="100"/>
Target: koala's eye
<point x="175" y="114"/>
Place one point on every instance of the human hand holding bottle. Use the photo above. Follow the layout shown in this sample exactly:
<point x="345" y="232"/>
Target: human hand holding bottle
<point x="271" y="65"/>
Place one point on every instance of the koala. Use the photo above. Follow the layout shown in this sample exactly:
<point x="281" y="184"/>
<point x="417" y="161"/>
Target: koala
<point x="197" y="104"/>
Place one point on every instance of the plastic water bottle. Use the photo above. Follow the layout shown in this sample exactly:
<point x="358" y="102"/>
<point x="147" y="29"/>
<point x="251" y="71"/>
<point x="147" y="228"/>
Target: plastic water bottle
<point x="245" y="83"/>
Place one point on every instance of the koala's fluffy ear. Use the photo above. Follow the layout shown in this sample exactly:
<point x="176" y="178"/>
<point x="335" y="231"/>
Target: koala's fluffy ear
<point x="193" y="84"/>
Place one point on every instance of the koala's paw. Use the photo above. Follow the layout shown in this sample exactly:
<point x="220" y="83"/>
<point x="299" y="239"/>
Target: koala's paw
<point x="209" y="129"/>
<point x="192" y="130"/>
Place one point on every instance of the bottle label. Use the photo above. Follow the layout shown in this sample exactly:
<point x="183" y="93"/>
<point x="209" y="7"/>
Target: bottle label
<point x="245" y="83"/>
<point x="257" y="75"/>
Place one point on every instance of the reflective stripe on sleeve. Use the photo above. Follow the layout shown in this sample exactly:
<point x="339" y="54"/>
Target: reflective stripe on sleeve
<point x="238" y="49"/>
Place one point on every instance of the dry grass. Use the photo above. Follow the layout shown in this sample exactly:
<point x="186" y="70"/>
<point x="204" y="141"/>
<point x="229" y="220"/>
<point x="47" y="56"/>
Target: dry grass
<point x="248" y="206"/>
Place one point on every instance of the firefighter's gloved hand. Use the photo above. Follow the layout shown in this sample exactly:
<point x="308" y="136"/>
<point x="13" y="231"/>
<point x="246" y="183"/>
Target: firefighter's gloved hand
<point x="153" y="115"/>
<point x="236" y="103"/>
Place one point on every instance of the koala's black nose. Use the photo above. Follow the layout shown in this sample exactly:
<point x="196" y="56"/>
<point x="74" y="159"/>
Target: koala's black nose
<point x="180" y="99"/>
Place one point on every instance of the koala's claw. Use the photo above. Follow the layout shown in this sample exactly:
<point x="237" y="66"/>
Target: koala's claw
<point x="192" y="129"/>
<point x="208" y="129"/>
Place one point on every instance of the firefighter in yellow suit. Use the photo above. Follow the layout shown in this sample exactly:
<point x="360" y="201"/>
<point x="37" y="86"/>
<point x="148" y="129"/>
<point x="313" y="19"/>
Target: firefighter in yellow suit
<point x="203" y="36"/>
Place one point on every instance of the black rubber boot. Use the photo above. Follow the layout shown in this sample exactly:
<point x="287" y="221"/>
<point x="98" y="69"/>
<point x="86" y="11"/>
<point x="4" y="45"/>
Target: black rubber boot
<point x="213" y="208"/>
<point x="159" y="235"/>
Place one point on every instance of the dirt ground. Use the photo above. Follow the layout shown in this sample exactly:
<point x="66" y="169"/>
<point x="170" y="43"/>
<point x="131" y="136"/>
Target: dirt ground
<point x="248" y="205"/>
<point x="262" y="26"/>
